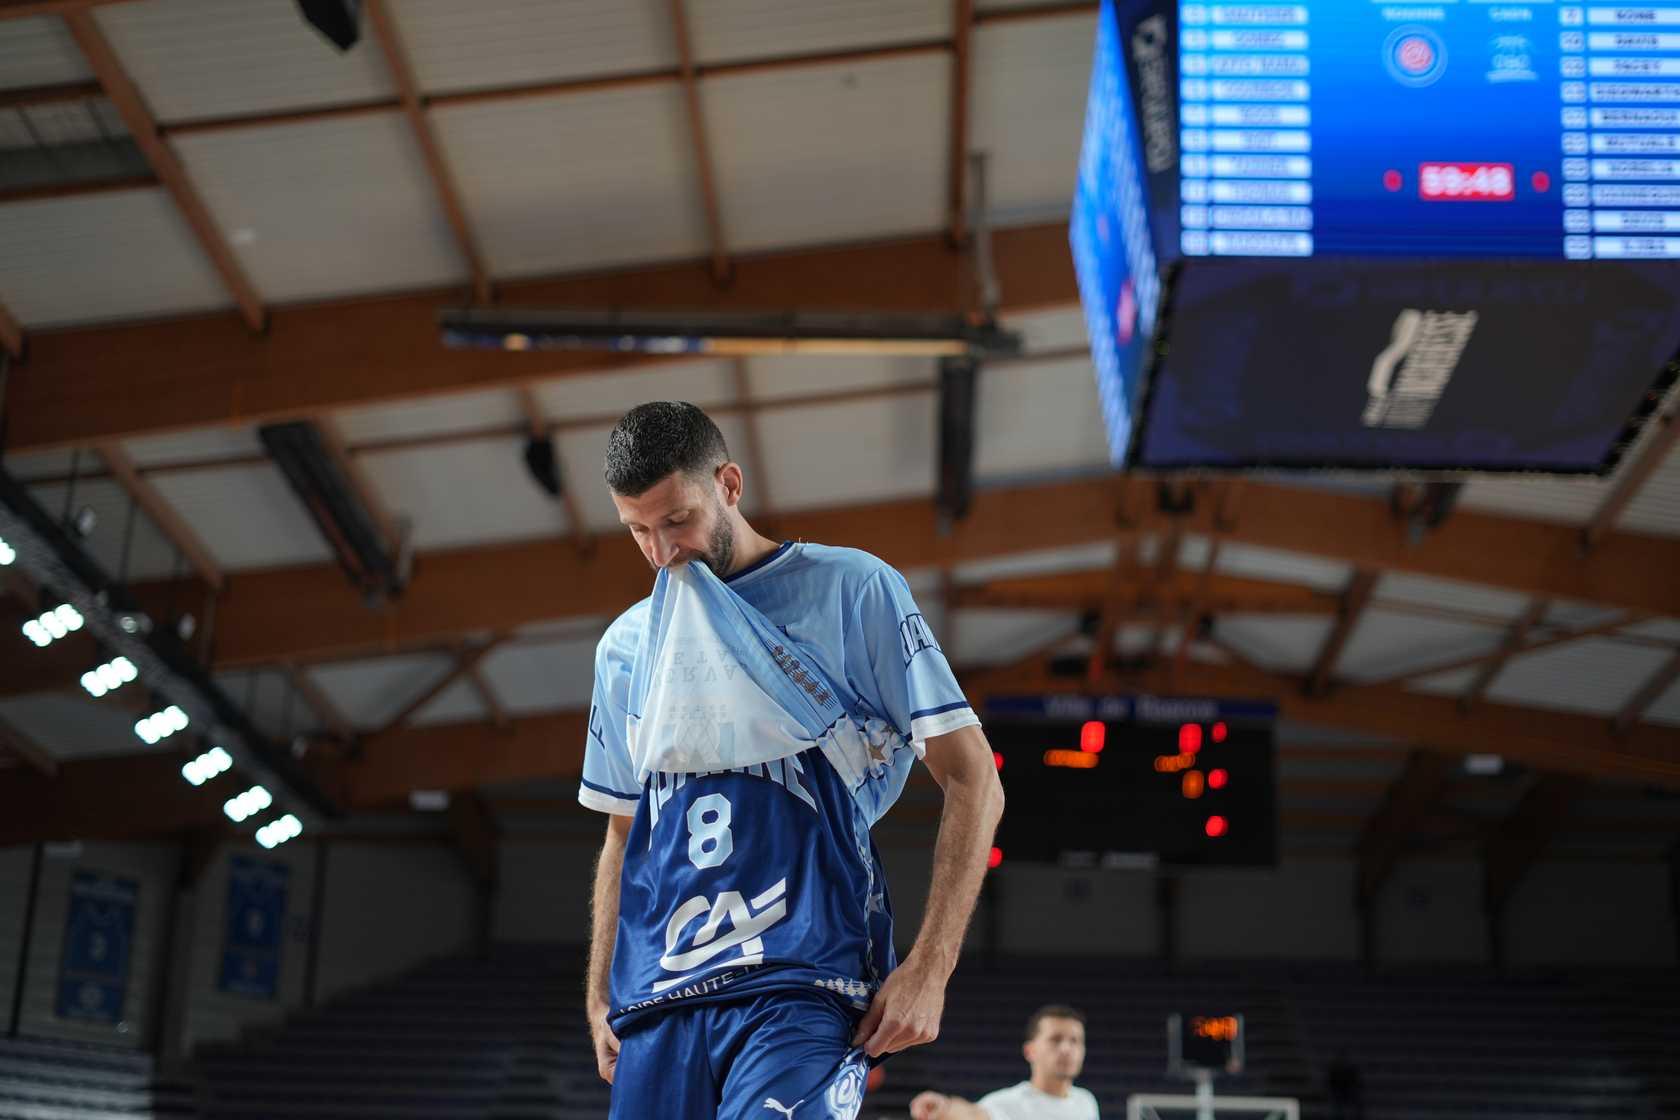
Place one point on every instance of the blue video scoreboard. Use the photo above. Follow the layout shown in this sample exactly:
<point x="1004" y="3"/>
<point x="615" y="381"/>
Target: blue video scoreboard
<point x="1367" y="235"/>
<point x="1504" y="130"/>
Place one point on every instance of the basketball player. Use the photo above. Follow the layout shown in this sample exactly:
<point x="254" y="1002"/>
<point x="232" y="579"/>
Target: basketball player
<point x="1055" y="1052"/>
<point x="741" y="956"/>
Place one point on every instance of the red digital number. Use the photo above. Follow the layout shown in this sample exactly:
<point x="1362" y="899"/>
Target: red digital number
<point x="1467" y="182"/>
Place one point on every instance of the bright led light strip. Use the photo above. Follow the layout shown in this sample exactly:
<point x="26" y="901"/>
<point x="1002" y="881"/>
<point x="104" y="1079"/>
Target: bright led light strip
<point x="206" y="766"/>
<point x="253" y="800"/>
<point x="277" y="832"/>
<point x="161" y="725"/>
<point x="53" y="625"/>
<point x="109" y="677"/>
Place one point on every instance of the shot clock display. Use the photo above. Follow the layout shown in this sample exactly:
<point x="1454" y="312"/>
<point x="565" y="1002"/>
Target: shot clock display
<point x="1112" y="779"/>
<point x="1199" y="1044"/>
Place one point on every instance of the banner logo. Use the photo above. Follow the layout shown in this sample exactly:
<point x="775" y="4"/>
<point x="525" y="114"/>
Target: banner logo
<point x="1412" y="371"/>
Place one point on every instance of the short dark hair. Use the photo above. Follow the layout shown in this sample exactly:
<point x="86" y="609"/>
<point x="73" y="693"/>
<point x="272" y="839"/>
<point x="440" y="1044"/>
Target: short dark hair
<point x="1052" y="1011"/>
<point x="654" y="439"/>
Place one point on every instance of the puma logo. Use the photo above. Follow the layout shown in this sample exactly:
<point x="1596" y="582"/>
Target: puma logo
<point x="785" y="1109"/>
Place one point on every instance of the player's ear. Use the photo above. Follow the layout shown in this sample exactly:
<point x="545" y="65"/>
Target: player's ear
<point x="730" y="479"/>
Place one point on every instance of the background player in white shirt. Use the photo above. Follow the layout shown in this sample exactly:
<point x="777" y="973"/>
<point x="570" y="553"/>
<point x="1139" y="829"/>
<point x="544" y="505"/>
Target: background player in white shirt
<point x="1055" y="1052"/>
<point x="741" y="956"/>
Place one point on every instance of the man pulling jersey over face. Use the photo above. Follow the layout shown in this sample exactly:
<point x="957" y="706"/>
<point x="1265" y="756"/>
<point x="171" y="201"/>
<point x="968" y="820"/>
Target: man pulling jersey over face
<point x="742" y="956"/>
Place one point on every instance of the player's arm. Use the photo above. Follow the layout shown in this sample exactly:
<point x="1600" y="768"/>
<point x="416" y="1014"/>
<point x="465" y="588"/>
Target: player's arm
<point x="907" y="1009"/>
<point x="938" y="1106"/>
<point x="603" y="930"/>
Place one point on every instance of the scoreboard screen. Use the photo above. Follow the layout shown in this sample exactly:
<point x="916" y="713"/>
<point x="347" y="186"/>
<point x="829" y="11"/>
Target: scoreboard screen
<point x="1496" y="130"/>
<point x="1117" y="780"/>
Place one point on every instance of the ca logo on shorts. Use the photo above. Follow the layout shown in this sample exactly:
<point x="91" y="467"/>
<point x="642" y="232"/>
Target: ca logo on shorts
<point x="845" y="1095"/>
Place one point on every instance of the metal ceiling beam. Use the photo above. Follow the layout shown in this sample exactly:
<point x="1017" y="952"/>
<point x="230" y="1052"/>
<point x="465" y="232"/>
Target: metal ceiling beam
<point x="1562" y="637"/>
<point x="173" y="526"/>
<point x="1355" y="599"/>
<point x="1659" y="445"/>
<point x="710" y="206"/>
<point x="301" y="614"/>
<point x="1088" y="590"/>
<point x="465" y="663"/>
<point x="65" y="93"/>
<point x="42" y="191"/>
<point x="1649" y="693"/>
<point x="752" y="449"/>
<point x="125" y="96"/>
<point x="431" y="152"/>
<point x="197" y="372"/>
<point x="1515" y="639"/>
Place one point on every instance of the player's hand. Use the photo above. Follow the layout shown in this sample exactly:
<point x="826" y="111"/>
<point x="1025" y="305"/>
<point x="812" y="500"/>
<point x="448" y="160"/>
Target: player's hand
<point x="929" y="1106"/>
<point x="905" y="1012"/>
<point x="606" y="1048"/>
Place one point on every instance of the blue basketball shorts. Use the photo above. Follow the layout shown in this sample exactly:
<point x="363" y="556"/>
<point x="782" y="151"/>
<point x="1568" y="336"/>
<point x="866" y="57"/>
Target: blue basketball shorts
<point x="783" y="1054"/>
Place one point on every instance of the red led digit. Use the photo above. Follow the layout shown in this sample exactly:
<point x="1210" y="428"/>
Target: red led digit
<point x="994" y="857"/>
<point x="1216" y="779"/>
<point x="1189" y="738"/>
<point x="1220" y="731"/>
<point x="1092" y="737"/>
<point x="1217" y="826"/>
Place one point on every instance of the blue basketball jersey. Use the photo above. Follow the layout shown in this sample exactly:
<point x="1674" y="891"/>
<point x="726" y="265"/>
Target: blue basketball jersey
<point x="762" y="877"/>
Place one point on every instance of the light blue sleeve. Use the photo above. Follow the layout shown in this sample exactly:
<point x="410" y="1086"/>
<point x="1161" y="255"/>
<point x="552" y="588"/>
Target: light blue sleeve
<point x="894" y="663"/>
<point x="609" y="781"/>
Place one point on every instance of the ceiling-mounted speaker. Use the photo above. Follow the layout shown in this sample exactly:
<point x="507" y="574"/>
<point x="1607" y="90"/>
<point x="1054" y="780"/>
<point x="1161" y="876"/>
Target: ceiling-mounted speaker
<point x="339" y="20"/>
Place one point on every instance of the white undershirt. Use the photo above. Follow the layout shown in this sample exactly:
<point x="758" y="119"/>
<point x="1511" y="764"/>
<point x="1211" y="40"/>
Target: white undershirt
<point x="1023" y="1102"/>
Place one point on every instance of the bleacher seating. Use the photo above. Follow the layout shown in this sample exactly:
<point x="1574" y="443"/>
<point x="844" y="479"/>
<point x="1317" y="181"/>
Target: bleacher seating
<point x="504" y="1039"/>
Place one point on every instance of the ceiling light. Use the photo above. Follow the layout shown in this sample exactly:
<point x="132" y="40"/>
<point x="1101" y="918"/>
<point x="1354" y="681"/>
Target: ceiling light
<point x="206" y="766"/>
<point x="7" y="553"/>
<point x="109" y="677"/>
<point x="277" y="832"/>
<point x="253" y="800"/>
<point x="53" y="625"/>
<point x="161" y="725"/>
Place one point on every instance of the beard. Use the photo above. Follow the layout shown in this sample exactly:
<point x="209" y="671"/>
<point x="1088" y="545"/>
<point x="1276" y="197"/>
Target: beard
<point x="719" y="554"/>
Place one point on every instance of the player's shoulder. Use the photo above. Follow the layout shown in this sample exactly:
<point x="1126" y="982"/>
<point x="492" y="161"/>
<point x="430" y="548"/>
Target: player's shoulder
<point x="1012" y="1094"/>
<point x="624" y="634"/>
<point x="1087" y="1096"/>
<point x="852" y="567"/>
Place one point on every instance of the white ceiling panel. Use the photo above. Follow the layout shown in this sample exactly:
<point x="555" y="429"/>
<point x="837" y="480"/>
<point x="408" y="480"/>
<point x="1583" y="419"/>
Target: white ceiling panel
<point x="704" y="382"/>
<point x="1667" y="708"/>
<point x="267" y="698"/>
<point x="1059" y="328"/>
<point x="777" y="378"/>
<point x="1569" y="501"/>
<point x="1037" y="419"/>
<point x="576" y="182"/>
<point x="1662" y="629"/>
<point x="195" y="59"/>
<point x="1400" y="587"/>
<point x="735" y="30"/>
<point x="458" y="703"/>
<point x="1284" y="643"/>
<point x="542" y="678"/>
<point x="1048" y="562"/>
<point x="68" y="726"/>
<point x="491" y="44"/>
<point x="39" y="52"/>
<point x="867" y="451"/>
<point x="1385" y="643"/>
<point x="1455" y="683"/>
<point x="830" y="153"/>
<point x="39" y="464"/>
<point x="1257" y="562"/>
<point x="96" y="257"/>
<point x="1655" y="508"/>
<point x="464" y="493"/>
<point x="997" y="637"/>
<point x="325" y="208"/>
<point x="457" y="412"/>
<point x="196" y="446"/>
<point x="1028" y="105"/>
<point x="370" y="692"/>
<point x="150" y="555"/>
<point x="1592" y="675"/>
<point x="247" y="516"/>
<point x="1573" y="614"/>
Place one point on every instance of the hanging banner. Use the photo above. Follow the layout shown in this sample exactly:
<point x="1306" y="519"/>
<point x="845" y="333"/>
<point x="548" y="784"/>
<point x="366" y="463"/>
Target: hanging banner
<point x="256" y="910"/>
<point x="98" y="940"/>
